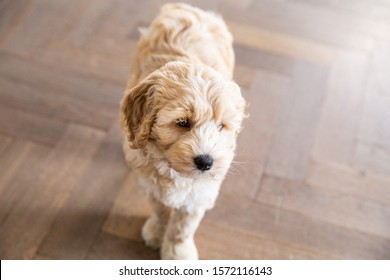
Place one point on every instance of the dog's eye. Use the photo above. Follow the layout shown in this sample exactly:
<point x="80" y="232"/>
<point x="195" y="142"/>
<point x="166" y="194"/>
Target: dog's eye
<point x="183" y="123"/>
<point x="221" y="126"/>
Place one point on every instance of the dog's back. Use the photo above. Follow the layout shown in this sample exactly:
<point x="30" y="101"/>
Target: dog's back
<point x="185" y="33"/>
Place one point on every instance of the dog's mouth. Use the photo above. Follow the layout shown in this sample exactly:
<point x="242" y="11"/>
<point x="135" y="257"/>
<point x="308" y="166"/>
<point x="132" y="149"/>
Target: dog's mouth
<point x="197" y="174"/>
<point x="190" y="171"/>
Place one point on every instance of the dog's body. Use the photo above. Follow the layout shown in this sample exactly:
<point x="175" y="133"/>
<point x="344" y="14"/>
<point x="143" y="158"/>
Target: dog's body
<point x="180" y="116"/>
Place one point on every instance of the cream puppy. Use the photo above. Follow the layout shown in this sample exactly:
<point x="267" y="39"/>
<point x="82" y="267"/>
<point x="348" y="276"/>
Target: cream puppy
<point x="180" y="115"/>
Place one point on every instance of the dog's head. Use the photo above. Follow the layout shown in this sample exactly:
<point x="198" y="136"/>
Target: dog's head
<point x="190" y="113"/>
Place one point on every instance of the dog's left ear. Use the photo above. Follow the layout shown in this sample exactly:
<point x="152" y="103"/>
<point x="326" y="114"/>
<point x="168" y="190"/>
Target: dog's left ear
<point x="138" y="113"/>
<point x="239" y="105"/>
<point x="235" y="94"/>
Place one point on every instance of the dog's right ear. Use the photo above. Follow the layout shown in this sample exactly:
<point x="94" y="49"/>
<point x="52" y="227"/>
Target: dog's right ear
<point x="138" y="114"/>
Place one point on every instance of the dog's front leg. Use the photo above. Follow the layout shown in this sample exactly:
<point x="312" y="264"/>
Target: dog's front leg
<point x="154" y="228"/>
<point x="178" y="242"/>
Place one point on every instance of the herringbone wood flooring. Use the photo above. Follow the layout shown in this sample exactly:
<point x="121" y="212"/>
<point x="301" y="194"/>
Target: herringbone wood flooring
<point x="312" y="173"/>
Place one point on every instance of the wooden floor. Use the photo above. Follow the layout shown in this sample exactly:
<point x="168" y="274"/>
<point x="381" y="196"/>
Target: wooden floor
<point x="312" y="172"/>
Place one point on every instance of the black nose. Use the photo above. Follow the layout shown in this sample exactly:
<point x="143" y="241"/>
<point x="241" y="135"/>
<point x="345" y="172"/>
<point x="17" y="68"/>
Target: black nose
<point x="203" y="162"/>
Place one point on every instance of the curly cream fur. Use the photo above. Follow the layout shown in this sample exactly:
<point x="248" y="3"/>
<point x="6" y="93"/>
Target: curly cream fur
<point x="182" y="70"/>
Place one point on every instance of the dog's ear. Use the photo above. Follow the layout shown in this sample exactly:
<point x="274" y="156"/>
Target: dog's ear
<point x="138" y="113"/>
<point x="235" y="94"/>
<point x="239" y="105"/>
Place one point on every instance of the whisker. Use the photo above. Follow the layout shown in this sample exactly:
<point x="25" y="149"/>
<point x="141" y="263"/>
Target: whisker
<point x="235" y="171"/>
<point x="241" y="165"/>
<point x="249" y="162"/>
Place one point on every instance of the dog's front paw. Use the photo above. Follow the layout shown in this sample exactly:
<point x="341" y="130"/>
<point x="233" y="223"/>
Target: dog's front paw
<point x="152" y="233"/>
<point x="185" y="250"/>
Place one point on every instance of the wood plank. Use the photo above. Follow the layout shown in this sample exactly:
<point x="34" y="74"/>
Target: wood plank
<point x="13" y="155"/>
<point x="20" y="165"/>
<point x="293" y="228"/>
<point x="40" y="257"/>
<point x="373" y="157"/>
<point x="82" y="216"/>
<point x="346" y="180"/>
<point x="11" y="14"/>
<point x="109" y="247"/>
<point x="85" y="25"/>
<point x="34" y="212"/>
<point x="105" y="67"/>
<point x="265" y="97"/>
<point x="244" y="75"/>
<point x="30" y="127"/>
<point x="4" y="143"/>
<point x="58" y="106"/>
<point x="38" y="29"/>
<point x="374" y="9"/>
<point x="118" y="48"/>
<point x="116" y="35"/>
<point x="129" y="212"/>
<point x="290" y="152"/>
<point x="359" y="22"/>
<point x="333" y="207"/>
<point x="337" y="129"/>
<point x="244" y="4"/>
<point x="263" y="60"/>
<point x="292" y="18"/>
<point x="375" y="124"/>
<point x="211" y="241"/>
<point x="278" y="43"/>
<point x="373" y="147"/>
<point x="50" y="79"/>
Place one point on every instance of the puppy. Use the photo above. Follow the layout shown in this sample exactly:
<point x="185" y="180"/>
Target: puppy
<point x="180" y="115"/>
